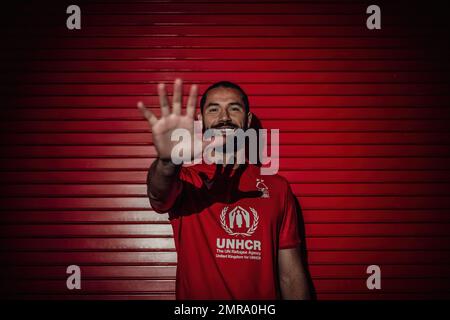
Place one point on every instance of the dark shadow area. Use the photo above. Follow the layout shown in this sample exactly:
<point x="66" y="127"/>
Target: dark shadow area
<point x="214" y="190"/>
<point x="304" y="249"/>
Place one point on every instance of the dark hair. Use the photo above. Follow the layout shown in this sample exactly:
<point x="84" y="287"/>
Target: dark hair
<point x="225" y="84"/>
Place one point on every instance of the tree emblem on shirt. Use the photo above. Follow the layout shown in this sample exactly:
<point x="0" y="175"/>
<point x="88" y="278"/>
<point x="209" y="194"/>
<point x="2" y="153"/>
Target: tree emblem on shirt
<point x="238" y="218"/>
<point x="261" y="186"/>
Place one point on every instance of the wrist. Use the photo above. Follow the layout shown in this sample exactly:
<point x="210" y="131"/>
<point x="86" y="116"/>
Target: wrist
<point x="167" y="166"/>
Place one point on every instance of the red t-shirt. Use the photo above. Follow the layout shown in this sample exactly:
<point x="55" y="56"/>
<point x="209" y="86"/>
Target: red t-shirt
<point x="228" y="232"/>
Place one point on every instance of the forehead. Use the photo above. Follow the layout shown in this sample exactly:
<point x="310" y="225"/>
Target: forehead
<point x="223" y="95"/>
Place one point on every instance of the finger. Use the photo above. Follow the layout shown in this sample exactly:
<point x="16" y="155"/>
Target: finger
<point x="150" y="116"/>
<point x="192" y="101"/>
<point x="163" y="101"/>
<point x="177" y="96"/>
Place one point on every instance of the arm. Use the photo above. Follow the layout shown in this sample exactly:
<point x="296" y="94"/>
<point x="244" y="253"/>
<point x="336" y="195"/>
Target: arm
<point x="163" y="183"/>
<point x="292" y="275"/>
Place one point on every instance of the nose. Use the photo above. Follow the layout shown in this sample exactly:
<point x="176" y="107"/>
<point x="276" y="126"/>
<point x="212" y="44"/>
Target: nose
<point x="224" y="116"/>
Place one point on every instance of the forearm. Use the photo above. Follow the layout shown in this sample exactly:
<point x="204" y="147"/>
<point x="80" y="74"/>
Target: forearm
<point x="292" y="275"/>
<point x="163" y="183"/>
<point x="295" y="287"/>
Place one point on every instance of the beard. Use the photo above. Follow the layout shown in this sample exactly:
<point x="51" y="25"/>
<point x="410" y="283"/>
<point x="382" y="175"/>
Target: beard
<point x="227" y="125"/>
<point x="226" y="131"/>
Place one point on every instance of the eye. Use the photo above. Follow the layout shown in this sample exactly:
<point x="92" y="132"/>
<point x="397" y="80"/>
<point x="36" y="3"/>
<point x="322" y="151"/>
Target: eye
<point x="213" y="109"/>
<point x="236" y="108"/>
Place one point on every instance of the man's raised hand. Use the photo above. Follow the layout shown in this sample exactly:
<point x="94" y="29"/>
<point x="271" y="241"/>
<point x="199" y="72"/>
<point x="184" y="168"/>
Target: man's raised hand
<point x="163" y="127"/>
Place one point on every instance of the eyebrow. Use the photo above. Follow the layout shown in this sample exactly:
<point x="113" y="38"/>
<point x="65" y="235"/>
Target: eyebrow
<point x="213" y="104"/>
<point x="236" y="103"/>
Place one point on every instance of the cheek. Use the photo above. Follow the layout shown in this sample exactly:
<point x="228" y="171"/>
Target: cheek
<point x="239" y="120"/>
<point x="208" y="121"/>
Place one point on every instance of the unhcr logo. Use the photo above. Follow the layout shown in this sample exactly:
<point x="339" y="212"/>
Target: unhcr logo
<point x="239" y="222"/>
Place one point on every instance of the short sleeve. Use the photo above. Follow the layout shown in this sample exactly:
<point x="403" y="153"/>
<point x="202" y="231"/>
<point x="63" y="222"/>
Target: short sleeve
<point x="289" y="235"/>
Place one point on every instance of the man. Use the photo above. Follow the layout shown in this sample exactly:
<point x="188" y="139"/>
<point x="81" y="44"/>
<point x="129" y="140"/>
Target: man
<point x="235" y="230"/>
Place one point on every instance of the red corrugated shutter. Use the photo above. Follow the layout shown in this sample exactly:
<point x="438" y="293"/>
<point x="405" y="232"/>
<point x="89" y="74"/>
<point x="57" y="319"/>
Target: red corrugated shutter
<point x="364" y="126"/>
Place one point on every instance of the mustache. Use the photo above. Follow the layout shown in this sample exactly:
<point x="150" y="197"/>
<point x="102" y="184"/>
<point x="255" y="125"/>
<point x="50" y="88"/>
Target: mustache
<point x="225" y="124"/>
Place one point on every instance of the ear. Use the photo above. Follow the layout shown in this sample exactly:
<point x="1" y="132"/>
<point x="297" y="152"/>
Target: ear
<point x="249" y="119"/>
